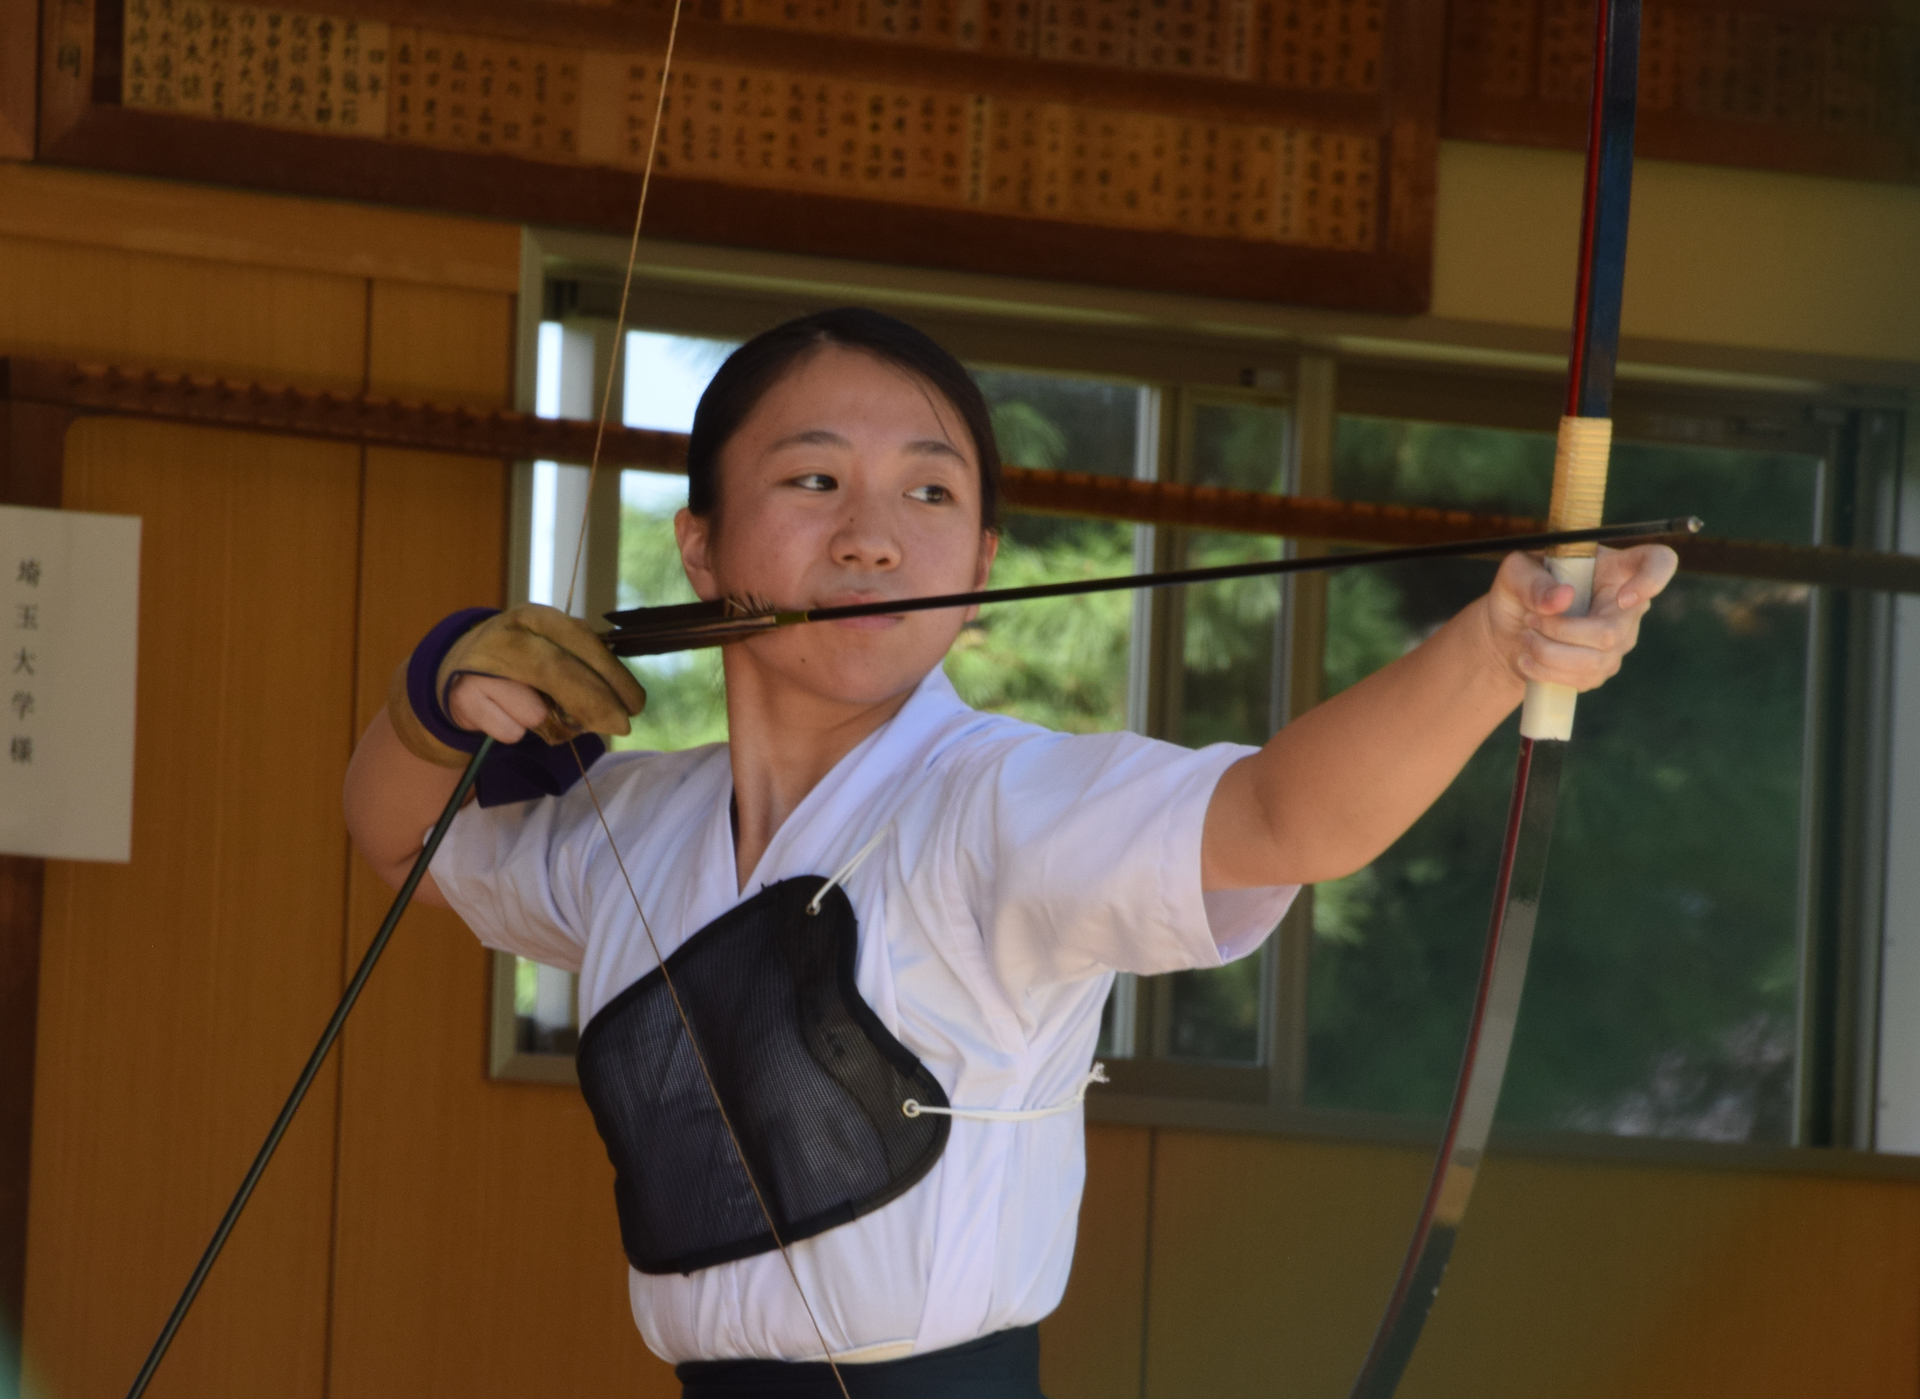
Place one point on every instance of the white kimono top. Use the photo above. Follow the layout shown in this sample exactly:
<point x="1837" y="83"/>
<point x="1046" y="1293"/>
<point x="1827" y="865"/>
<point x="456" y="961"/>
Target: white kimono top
<point x="1020" y="869"/>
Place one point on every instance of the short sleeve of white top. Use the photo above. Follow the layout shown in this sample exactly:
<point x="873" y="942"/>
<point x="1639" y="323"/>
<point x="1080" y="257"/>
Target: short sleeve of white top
<point x="1017" y="870"/>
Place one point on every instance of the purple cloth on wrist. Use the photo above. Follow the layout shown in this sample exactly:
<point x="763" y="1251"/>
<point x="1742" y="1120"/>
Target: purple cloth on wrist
<point x="514" y="773"/>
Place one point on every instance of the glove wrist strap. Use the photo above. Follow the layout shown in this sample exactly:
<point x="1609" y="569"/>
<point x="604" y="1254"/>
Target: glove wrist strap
<point x="528" y="769"/>
<point x="413" y="701"/>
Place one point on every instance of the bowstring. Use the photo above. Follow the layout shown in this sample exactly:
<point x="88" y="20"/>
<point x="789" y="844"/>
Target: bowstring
<point x="573" y="580"/>
<point x="626" y="291"/>
<point x="713" y="1090"/>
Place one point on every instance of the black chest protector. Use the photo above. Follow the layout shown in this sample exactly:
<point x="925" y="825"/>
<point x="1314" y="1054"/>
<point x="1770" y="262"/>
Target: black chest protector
<point x="812" y="1083"/>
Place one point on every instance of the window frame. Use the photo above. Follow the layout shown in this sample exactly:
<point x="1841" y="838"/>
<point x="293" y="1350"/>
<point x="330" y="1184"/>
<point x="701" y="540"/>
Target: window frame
<point x="1320" y="366"/>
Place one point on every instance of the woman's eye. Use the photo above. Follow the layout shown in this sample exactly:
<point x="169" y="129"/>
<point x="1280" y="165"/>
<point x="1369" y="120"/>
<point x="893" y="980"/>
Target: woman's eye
<point x="931" y="494"/>
<point x="816" y="481"/>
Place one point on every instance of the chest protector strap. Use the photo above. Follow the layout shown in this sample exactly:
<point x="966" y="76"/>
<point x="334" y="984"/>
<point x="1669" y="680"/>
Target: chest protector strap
<point x="812" y="1082"/>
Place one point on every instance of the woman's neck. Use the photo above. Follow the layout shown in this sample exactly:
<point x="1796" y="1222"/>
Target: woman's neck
<point x="781" y="743"/>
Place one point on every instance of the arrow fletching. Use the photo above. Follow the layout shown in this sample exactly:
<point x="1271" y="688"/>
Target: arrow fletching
<point x="656" y="631"/>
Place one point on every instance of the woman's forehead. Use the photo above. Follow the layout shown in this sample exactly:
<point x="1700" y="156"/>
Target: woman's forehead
<point x="848" y="394"/>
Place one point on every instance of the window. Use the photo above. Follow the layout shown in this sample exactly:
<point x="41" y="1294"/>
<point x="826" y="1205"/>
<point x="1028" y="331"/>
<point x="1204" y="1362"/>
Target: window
<point x="1661" y="997"/>
<point x="686" y="701"/>
<point x="1211" y="667"/>
<point x="1060" y="662"/>
<point x="1707" y="961"/>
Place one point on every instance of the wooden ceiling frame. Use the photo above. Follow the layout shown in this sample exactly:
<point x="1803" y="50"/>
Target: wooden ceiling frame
<point x="82" y="123"/>
<point x="1664" y="132"/>
<point x="19" y="77"/>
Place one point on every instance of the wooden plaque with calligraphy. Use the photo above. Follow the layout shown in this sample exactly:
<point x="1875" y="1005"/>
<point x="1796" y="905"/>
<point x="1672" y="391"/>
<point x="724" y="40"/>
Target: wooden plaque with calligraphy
<point x="1273" y="149"/>
<point x="1826" y="87"/>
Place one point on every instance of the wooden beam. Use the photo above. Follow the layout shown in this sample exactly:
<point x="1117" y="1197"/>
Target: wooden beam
<point x="371" y="420"/>
<point x="19" y="76"/>
<point x="32" y="447"/>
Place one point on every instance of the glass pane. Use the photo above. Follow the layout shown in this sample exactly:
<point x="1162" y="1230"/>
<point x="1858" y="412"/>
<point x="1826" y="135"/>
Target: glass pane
<point x="665" y="376"/>
<point x="1230" y="639"/>
<point x="1061" y="663"/>
<point x="686" y="693"/>
<point x="545" y="1013"/>
<point x="1662" y="988"/>
<point x="1230" y="630"/>
<point x="686" y="698"/>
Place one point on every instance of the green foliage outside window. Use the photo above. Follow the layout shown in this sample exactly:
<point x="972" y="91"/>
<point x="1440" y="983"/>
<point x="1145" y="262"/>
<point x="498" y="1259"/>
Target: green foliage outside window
<point x="1060" y="663"/>
<point x="686" y="694"/>
<point x="1661" y="996"/>
<point x="1228" y="635"/>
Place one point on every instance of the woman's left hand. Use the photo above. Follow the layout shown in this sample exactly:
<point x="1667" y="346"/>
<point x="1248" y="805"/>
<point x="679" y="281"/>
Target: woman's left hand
<point x="1534" y="638"/>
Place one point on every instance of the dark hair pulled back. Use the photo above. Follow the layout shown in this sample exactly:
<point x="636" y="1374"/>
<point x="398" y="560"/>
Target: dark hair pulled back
<point x="753" y="369"/>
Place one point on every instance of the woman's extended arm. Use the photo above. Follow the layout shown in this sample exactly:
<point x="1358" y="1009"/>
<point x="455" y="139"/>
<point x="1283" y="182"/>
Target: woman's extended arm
<point x="1342" y="782"/>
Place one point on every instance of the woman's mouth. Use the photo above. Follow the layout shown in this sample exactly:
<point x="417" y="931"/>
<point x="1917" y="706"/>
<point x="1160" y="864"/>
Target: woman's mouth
<point x="879" y="622"/>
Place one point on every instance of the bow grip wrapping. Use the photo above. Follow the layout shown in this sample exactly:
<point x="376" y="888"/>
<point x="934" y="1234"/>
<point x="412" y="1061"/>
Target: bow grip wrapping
<point x="1579" y="498"/>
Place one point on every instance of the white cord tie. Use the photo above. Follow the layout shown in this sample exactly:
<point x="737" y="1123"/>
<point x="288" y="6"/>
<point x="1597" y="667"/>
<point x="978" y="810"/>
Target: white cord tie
<point x="1097" y="1074"/>
<point x="849" y="867"/>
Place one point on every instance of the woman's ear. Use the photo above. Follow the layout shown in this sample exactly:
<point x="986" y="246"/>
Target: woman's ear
<point x="983" y="564"/>
<point x="989" y="548"/>
<point x="694" y="536"/>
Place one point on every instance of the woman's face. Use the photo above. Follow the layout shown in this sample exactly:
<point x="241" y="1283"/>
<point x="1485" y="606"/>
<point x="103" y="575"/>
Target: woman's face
<point x="850" y="481"/>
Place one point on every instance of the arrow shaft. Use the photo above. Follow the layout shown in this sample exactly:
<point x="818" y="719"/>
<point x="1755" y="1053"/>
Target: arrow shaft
<point x="635" y="633"/>
<point x="1260" y="568"/>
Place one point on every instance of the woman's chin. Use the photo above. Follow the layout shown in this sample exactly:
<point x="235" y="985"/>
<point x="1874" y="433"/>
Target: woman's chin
<point x="860" y="685"/>
<point x="854" y="668"/>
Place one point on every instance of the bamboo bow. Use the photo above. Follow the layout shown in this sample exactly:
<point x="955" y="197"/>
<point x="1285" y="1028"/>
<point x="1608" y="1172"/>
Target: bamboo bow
<point x="1546" y="720"/>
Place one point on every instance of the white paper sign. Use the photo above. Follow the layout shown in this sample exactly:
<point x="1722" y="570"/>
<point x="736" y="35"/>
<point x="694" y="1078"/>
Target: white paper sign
<point x="69" y="629"/>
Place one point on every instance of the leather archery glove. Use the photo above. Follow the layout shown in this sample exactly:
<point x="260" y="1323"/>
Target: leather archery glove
<point x="586" y="689"/>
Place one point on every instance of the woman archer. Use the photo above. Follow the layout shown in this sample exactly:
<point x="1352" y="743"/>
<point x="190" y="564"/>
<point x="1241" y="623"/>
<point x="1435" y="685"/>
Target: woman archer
<point x="891" y="921"/>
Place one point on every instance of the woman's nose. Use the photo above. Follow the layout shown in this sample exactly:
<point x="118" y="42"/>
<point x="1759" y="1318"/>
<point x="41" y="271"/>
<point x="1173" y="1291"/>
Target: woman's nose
<point x="866" y="539"/>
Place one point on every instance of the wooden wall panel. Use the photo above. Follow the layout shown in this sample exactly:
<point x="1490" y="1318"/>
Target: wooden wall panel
<point x="181" y="992"/>
<point x="1090" y="1347"/>
<point x="1271" y="1261"/>
<point x="236" y="229"/>
<point x="450" y="344"/>
<point x="177" y="313"/>
<point x="1588" y="1281"/>
<point x="478" y="1250"/>
<point x="1584" y="1280"/>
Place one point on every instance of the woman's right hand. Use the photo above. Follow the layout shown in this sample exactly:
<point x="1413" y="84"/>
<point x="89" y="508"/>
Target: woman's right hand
<point x="530" y="669"/>
<point x="504" y="710"/>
